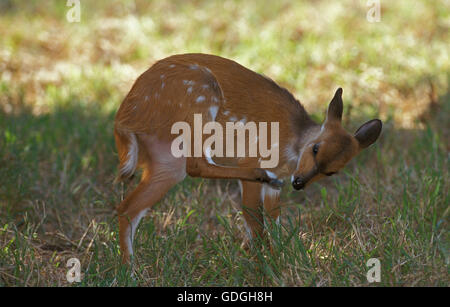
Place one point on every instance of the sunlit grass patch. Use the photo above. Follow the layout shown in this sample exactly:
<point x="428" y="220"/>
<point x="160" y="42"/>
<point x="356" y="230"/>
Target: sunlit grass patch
<point x="61" y="82"/>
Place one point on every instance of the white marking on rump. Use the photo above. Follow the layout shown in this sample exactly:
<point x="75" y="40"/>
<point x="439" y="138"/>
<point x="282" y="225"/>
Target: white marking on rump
<point x="132" y="157"/>
<point x="189" y="90"/>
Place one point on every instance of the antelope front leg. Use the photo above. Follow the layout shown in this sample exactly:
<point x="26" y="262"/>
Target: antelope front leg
<point x="200" y="167"/>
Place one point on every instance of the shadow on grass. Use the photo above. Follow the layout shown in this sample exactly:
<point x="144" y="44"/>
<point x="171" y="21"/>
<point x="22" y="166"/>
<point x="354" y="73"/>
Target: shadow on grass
<point x="56" y="185"/>
<point x="64" y="161"/>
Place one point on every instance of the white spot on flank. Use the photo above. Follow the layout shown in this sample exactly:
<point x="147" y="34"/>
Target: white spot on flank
<point x="162" y="85"/>
<point x="162" y="76"/>
<point x="243" y="120"/>
<point x="233" y="118"/>
<point x="189" y="90"/>
<point x="193" y="66"/>
<point x="213" y="111"/>
<point x="215" y="99"/>
<point x="172" y="65"/>
<point x="146" y="98"/>
<point x="205" y="86"/>
<point x="188" y="82"/>
<point x="200" y="99"/>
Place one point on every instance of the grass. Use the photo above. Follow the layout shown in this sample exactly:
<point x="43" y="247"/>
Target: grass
<point x="61" y="83"/>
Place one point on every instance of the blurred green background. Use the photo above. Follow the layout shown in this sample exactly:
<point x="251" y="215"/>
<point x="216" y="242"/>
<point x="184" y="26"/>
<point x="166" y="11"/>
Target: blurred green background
<point x="61" y="83"/>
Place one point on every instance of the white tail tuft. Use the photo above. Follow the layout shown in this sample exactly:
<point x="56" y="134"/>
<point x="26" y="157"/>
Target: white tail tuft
<point x="132" y="157"/>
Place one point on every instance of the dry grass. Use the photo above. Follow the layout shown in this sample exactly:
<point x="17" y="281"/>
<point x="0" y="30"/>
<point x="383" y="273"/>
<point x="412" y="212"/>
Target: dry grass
<point x="61" y="83"/>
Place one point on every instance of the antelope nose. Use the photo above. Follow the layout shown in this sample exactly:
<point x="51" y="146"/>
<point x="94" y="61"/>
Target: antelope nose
<point x="298" y="183"/>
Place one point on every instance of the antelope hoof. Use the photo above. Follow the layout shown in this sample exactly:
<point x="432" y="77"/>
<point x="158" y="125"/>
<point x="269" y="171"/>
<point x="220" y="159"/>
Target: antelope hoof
<point x="269" y="178"/>
<point x="276" y="183"/>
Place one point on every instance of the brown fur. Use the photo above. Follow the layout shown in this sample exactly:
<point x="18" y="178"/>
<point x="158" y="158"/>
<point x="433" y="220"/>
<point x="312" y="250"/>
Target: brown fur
<point x="167" y="93"/>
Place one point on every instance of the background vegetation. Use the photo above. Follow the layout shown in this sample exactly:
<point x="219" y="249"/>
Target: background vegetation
<point x="61" y="82"/>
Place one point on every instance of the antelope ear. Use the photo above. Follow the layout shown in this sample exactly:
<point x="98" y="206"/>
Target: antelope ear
<point x="335" y="107"/>
<point x="368" y="133"/>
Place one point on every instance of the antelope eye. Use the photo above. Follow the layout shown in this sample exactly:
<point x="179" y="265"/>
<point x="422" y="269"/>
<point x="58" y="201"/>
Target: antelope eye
<point x="330" y="173"/>
<point x="315" y="149"/>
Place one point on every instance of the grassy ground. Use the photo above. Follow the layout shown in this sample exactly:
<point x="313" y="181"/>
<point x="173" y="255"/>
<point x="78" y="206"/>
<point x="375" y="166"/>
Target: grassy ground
<point x="61" y="83"/>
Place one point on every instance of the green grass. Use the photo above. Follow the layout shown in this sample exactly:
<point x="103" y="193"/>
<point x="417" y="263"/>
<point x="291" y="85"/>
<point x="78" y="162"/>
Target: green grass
<point x="61" y="83"/>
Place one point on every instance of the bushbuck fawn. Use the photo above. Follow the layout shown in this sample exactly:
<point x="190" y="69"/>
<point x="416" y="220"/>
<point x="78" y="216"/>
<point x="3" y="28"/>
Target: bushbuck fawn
<point x="178" y="87"/>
